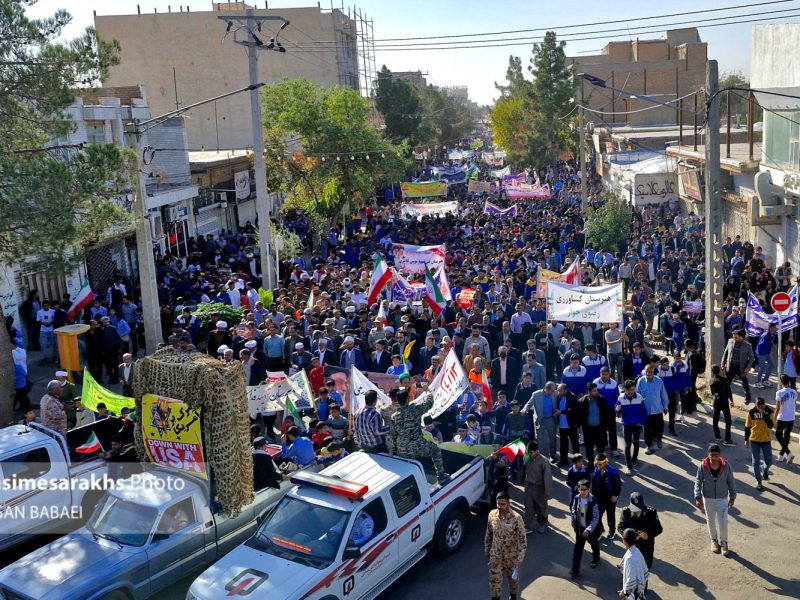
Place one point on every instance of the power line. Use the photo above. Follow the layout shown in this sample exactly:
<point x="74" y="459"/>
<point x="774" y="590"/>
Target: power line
<point x="659" y="105"/>
<point x="552" y="28"/>
<point x="505" y="45"/>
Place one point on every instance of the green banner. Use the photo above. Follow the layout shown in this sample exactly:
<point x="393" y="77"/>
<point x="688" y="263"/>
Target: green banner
<point x="92" y="393"/>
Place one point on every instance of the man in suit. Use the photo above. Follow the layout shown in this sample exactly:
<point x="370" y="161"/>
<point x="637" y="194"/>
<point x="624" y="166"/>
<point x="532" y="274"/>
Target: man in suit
<point x="325" y="355"/>
<point x="544" y="405"/>
<point x="351" y="356"/>
<point x="737" y="360"/>
<point x="506" y="334"/>
<point x="504" y="372"/>
<point x="426" y="354"/>
<point x="381" y="359"/>
<point x="301" y="358"/>
<point x="125" y="374"/>
<point x="255" y="371"/>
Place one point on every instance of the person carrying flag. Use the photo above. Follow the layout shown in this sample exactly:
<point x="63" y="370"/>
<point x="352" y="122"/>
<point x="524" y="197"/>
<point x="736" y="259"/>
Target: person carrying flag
<point x="538" y="480"/>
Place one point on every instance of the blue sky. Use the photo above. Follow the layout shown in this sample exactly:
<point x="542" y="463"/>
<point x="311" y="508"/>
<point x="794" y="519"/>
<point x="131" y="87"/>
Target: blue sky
<point x="479" y="68"/>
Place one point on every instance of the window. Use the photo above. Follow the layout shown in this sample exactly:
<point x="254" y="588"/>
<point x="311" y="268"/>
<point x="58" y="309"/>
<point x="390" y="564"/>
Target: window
<point x="369" y="522"/>
<point x="405" y="496"/>
<point x="782" y="140"/>
<point x="177" y="517"/>
<point x="27" y="465"/>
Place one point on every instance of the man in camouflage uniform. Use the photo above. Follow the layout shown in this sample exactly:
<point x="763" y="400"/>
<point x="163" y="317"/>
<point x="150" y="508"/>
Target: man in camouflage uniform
<point x="405" y="433"/>
<point x="505" y="546"/>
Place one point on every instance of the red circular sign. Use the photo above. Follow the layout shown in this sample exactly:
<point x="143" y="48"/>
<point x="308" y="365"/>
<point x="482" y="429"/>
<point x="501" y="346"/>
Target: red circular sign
<point x="781" y="302"/>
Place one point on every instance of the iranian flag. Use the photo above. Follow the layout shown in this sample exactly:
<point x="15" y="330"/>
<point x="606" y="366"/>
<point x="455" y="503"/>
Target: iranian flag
<point x="382" y="315"/>
<point x="572" y="275"/>
<point x="311" y="299"/>
<point x="486" y="390"/>
<point x="433" y="294"/>
<point x="513" y="450"/>
<point x="381" y="275"/>
<point x="82" y="300"/>
<point x="91" y="445"/>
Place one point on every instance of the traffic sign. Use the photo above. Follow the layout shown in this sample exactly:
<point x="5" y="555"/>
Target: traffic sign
<point x="781" y="302"/>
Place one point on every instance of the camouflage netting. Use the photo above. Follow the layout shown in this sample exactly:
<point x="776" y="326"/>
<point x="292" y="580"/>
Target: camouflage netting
<point x="203" y="382"/>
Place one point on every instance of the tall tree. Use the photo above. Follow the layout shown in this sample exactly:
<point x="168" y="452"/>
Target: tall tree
<point x="51" y="201"/>
<point x="398" y="102"/>
<point x="530" y="115"/>
<point x="552" y="95"/>
<point x="322" y="150"/>
<point x="444" y="119"/>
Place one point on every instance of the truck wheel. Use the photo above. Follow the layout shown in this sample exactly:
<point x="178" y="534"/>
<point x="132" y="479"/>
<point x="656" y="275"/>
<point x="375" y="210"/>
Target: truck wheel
<point x="451" y="533"/>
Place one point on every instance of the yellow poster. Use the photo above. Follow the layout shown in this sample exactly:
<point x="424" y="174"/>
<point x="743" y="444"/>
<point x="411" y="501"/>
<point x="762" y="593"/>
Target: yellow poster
<point x="546" y="275"/>
<point x="172" y="436"/>
<point x="426" y="188"/>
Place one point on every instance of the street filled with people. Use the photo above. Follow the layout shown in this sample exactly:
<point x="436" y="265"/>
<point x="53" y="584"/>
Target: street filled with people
<point x="545" y="401"/>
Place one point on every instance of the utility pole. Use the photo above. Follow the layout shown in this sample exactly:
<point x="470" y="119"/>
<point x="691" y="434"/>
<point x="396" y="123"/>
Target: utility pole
<point x="715" y="327"/>
<point x="151" y="311"/>
<point x="582" y="144"/>
<point x="250" y="26"/>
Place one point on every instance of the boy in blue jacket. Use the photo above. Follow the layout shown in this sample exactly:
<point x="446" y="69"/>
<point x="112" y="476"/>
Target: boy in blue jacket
<point x="633" y="415"/>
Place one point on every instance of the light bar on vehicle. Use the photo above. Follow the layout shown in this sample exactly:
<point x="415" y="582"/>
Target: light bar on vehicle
<point x="340" y="487"/>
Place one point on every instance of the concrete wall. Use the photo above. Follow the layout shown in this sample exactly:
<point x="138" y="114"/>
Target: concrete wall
<point x="774" y="56"/>
<point x="186" y="49"/>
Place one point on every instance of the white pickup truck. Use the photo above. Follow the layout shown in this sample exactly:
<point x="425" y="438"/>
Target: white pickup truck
<point x="46" y="488"/>
<point x="349" y="531"/>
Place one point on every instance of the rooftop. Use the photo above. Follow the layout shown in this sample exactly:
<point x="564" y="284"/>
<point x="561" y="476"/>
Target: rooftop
<point x="739" y="162"/>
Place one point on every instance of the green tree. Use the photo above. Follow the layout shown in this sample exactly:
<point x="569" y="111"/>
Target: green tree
<point x="609" y="224"/>
<point x="398" y="102"/>
<point x="51" y="202"/>
<point x="530" y="113"/>
<point x="323" y="151"/>
<point x="552" y="96"/>
<point x="444" y="119"/>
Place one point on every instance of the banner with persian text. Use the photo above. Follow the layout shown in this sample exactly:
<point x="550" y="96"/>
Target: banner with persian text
<point x="423" y="189"/>
<point x="602" y="304"/>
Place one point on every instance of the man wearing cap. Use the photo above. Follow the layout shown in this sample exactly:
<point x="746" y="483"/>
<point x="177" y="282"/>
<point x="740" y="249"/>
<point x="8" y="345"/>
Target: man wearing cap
<point x="350" y="356"/>
<point x="644" y="521"/>
<point x="405" y="433"/>
<point x="606" y="487"/>
<point x="51" y="410"/>
<point x="301" y="358"/>
<point x="219" y="337"/>
<point x="715" y="493"/>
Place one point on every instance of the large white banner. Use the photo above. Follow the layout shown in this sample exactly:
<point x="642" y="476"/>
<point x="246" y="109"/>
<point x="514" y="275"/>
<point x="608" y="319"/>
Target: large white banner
<point x="448" y="385"/>
<point x="359" y="386"/>
<point x="584" y="304"/>
<point x="413" y="259"/>
<point x="432" y="209"/>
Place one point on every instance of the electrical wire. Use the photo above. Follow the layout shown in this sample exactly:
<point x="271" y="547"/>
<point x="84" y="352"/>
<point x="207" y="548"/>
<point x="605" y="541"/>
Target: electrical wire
<point x="505" y="45"/>
<point x="552" y="28"/>
<point x="638" y="110"/>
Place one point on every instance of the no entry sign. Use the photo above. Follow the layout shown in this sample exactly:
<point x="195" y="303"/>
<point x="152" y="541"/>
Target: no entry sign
<point x="781" y="302"/>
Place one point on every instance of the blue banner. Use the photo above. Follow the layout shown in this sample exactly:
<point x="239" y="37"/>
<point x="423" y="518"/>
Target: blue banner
<point x="757" y="321"/>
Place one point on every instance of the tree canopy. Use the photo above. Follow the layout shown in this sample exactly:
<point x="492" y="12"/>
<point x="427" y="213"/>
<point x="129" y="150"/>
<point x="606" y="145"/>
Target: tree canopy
<point x="530" y="119"/>
<point x="609" y="224"/>
<point x="399" y="103"/>
<point x="322" y="150"/>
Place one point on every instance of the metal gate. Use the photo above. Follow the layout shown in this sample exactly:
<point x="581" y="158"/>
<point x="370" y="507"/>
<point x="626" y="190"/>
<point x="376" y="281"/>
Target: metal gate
<point x="102" y="261"/>
<point x="735" y="220"/>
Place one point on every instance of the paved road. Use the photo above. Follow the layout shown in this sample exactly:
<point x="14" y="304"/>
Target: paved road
<point x="764" y="538"/>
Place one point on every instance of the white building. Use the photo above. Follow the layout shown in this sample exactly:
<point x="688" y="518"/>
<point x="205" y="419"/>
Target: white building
<point x="775" y="67"/>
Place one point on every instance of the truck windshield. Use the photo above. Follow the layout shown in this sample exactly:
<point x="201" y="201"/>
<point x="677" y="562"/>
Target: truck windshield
<point x="122" y="521"/>
<point x="303" y="532"/>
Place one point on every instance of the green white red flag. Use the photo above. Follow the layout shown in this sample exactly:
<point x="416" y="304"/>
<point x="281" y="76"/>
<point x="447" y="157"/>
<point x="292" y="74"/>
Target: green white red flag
<point x="433" y="293"/>
<point x="91" y="445"/>
<point x="381" y="275"/>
